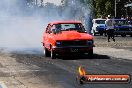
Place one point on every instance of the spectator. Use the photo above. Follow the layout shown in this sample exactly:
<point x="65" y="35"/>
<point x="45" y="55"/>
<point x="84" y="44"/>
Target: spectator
<point x="110" y="28"/>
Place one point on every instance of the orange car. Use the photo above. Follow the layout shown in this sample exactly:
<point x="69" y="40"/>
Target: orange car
<point x="66" y="37"/>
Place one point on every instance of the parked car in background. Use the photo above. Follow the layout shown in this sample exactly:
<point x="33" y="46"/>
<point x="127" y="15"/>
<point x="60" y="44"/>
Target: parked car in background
<point x="66" y="38"/>
<point x="98" y="26"/>
<point x="122" y="27"/>
<point x="130" y="22"/>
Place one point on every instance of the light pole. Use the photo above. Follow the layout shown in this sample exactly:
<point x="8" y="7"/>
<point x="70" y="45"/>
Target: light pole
<point x="116" y="6"/>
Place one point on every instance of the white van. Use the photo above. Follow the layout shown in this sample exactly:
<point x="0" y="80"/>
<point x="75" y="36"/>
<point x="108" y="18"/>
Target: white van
<point x="98" y="26"/>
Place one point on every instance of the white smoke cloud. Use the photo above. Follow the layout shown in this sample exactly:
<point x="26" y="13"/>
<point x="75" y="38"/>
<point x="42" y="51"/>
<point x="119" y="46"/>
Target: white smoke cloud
<point x="17" y="31"/>
<point x="56" y="2"/>
<point x="22" y="27"/>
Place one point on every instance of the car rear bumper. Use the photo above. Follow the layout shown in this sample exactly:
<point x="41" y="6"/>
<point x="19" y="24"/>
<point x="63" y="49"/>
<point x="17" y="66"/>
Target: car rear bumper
<point x="99" y="30"/>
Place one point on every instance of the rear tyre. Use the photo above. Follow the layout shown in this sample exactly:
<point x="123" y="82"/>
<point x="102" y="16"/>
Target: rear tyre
<point x="123" y="35"/>
<point x="101" y="33"/>
<point x="105" y="33"/>
<point x="53" y="54"/>
<point x="90" y="53"/>
<point x="46" y="52"/>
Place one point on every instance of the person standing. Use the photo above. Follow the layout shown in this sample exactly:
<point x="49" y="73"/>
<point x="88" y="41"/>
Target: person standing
<point x="110" y="28"/>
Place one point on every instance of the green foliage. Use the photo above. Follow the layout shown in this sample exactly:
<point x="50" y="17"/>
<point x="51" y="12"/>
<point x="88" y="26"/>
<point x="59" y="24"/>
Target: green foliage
<point x="103" y="7"/>
<point x="98" y="7"/>
<point x="108" y="7"/>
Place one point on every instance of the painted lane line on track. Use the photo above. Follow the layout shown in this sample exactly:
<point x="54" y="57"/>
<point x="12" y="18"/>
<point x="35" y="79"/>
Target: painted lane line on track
<point x="13" y="71"/>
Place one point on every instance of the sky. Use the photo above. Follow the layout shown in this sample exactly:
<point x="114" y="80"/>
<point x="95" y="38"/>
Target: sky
<point x="57" y="2"/>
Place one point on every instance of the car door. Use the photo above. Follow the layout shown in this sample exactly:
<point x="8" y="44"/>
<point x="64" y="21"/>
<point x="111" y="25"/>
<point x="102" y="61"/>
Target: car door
<point x="46" y="36"/>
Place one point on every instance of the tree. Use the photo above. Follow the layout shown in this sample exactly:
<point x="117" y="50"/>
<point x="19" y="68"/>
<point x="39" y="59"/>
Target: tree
<point x="108" y="8"/>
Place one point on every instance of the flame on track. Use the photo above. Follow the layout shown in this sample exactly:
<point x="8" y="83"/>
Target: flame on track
<point x="81" y="71"/>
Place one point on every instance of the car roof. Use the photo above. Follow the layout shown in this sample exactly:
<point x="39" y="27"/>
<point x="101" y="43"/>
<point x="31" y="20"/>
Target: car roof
<point x="99" y="19"/>
<point x="63" y="22"/>
<point x="119" y="19"/>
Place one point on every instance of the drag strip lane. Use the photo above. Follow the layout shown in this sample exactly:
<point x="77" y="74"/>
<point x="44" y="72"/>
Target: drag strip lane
<point x="64" y="71"/>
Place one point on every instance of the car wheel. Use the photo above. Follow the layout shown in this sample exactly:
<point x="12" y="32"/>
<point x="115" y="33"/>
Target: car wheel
<point x="46" y="52"/>
<point x="101" y="33"/>
<point x="131" y="35"/>
<point x="53" y="54"/>
<point x="90" y="53"/>
<point x="105" y="33"/>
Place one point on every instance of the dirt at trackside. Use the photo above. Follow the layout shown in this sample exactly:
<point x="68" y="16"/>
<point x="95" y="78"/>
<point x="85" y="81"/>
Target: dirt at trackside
<point x="101" y="41"/>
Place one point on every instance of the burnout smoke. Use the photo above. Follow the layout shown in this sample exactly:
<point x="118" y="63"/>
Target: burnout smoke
<point x="18" y="30"/>
<point x="22" y="23"/>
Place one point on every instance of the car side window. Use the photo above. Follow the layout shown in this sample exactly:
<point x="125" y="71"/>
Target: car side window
<point x="48" y="29"/>
<point x="55" y="29"/>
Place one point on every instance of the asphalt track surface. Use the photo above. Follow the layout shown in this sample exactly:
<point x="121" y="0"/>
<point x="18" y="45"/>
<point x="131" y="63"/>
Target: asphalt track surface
<point x="30" y="69"/>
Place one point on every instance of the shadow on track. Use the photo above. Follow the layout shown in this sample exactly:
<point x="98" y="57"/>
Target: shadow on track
<point x="78" y="57"/>
<point x="39" y="53"/>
